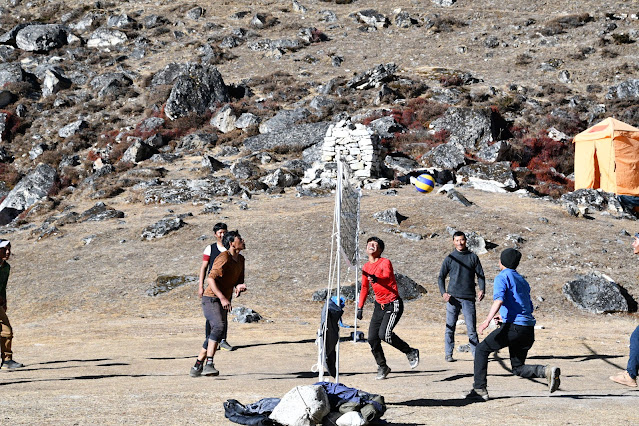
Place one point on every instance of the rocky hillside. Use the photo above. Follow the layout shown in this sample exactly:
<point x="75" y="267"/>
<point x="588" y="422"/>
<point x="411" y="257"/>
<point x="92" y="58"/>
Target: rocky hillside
<point x="174" y="102"/>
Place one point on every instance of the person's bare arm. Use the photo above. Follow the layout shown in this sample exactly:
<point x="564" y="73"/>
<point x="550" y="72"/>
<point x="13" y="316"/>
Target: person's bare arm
<point x="200" y="287"/>
<point x="494" y="310"/>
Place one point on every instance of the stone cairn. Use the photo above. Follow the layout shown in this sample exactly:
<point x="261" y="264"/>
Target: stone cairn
<point x="355" y="143"/>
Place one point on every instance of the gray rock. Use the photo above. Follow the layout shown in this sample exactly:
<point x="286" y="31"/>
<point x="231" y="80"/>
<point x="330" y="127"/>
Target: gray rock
<point x="168" y="74"/>
<point x="69" y="161"/>
<point x="247" y="120"/>
<point x="165" y="283"/>
<point x="11" y="73"/>
<point x="37" y="151"/>
<point x="224" y="120"/>
<point x="243" y="169"/>
<point x="294" y="138"/>
<point x="386" y="127"/>
<point x="195" y="13"/>
<point x="402" y="165"/>
<point x="584" y="200"/>
<point x="446" y="156"/>
<point x="150" y="124"/>
<point x="100" y="212"/>
<point x="103" y="37"/>
<point x="283" y="120"/>
<point x="404" y="20"/>
<point x="31" y="189"/>
<point x="111" y="84"/>
<point x="121" y="21"/>
<point x="88" y="21"/>
<point x="162" y="227"/>
<point x="10" y="36"/>
<point x="390" y="216"/>
<point x="313" y="153"/>
<point x="211" y="164"/>
<point x="498" y="151"/>
<point x="138" y="151"/>
<point x="629" y="89"/>
<point x="4" y="120"/>
<point x="41" y="37"/>
<point x="321" y="102"/>
<point x="455" y="195"/>
<point x="298" y="7"/>
<point x="230" y="42"/>
<point x="328" y="16"/>
<point x="54" y="82"/>
<point x="469" y="128"/>
<point x="281" y="178"/>
<point x="198" y="89"/>
<point x="196" y="142"/>
<point x="596" y="293"/>
<point x="196" y="191"/>
<point x="408" y="289"/>
<point x="372" y="18"/>
<point x="266" y="44"/>
<point x="496" y="177"/>
<point x="444" y="3"/>
<point x="8" y="54"/>
<point x="374" y="77"/>
<point x="245" y="315"/>
<point x="72" y="129"/>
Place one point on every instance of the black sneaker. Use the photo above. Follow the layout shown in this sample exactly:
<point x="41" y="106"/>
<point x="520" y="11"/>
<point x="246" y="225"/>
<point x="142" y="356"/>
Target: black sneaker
<point x="478" y="394"/>
<point x="382" y="372"/>
<point x="413" y="358"/>
<point x="225" y="345"/>
<point x="11" y="364"/>
<point x="196" y="371"/>
<point x="552" y="376"/>
<point x="209" y="370"/>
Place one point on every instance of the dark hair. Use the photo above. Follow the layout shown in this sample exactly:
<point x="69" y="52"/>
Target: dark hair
<point x="459" y="234"/>
<point x="219" y="226"/>
<point x="378" y="241"/>
<point x="229" y="237"/>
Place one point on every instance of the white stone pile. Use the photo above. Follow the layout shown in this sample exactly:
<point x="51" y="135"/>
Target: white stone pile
<point x="353" y="143"/>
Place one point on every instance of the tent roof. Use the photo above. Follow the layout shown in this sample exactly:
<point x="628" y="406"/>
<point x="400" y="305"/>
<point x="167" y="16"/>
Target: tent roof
<point x="605" y="129"/>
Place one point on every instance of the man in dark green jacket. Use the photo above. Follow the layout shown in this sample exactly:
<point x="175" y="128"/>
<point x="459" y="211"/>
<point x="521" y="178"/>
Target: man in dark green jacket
<point x="6" y="332"/>
<point x="462" y="266"/>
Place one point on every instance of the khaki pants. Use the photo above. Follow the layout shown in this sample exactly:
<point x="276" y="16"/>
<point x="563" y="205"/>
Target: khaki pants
<point x="6" y="335"/>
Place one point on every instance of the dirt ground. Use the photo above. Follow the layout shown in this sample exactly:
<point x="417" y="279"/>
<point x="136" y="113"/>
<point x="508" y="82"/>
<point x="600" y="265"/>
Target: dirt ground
<point x="134" y="371"/>
<point x="97" y="349"/>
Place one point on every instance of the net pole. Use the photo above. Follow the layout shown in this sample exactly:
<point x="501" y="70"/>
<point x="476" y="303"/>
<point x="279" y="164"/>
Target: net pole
<point x="356" y="264"/>
<point x="338" y="211"/>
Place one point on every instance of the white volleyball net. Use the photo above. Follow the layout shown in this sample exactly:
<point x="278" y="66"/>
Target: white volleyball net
<point x="344" y="246"/>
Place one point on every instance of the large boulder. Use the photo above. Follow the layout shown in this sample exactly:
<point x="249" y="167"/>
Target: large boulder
<point x="596" y="293"/>
<point x="111" y="83"/>
<point x="162" y="227"/>
<point x="585" y="201"/>
<point x="199" y="89"/>
<point x="471" y="129"/>
<point x="11" y="73"/>
<point x="294" y="138"/>
<point x="497" y="177"/>
<point x="374" y="77"/>
<point x="41" y="37"/>
<point x="629" y="89"/>
<point x="283" y="120"/>
<point x="104" y="38"/>
<point x="32" y="188"/>
<point x="445" y="156"/>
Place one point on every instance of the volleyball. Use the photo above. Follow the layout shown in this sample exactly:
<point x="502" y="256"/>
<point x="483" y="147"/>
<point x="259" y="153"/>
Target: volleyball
<point x="424" y="183"/>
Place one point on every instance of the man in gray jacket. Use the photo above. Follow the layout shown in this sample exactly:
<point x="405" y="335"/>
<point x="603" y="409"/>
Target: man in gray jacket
<point x="463" y="266"/>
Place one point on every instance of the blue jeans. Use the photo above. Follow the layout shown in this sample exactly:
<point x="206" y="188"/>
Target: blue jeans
<point x="633" y="361"/>
<point x="453" y="307"/>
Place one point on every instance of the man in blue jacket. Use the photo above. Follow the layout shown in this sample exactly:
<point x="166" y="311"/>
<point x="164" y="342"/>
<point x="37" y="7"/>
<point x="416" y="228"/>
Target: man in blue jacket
<point x="462" y="266"/>
<point x="512" y="309"/>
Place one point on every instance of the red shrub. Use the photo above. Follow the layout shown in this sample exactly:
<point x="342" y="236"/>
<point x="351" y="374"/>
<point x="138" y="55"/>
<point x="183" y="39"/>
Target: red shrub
<point x="92" y="155"/>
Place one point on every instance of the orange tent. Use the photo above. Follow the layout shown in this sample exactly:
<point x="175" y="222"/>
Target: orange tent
<point x="607" y="157"/>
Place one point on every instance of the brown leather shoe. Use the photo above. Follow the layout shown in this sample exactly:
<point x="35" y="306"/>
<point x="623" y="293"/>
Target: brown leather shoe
<point x="623" y="378"/>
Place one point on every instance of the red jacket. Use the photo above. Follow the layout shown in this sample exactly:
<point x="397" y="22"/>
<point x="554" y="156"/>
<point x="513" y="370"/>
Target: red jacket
<point x="385" y="288"/>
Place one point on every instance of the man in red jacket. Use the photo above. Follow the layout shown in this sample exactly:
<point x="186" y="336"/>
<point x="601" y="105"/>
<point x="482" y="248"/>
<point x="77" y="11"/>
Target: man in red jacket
<point x="378" y="271"/>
